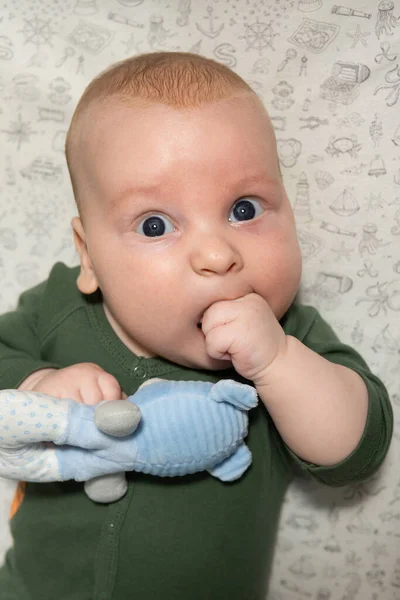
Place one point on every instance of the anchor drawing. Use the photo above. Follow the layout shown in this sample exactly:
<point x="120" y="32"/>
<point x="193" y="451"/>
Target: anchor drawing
<point x="211" y="32"/>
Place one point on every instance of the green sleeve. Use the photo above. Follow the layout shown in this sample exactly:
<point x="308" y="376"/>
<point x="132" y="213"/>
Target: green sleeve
<point x="19" y="340"/>
<point x="370" y="452"/>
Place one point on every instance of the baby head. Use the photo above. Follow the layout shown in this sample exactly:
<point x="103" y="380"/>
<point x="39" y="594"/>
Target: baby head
<point x="174" y="167"/>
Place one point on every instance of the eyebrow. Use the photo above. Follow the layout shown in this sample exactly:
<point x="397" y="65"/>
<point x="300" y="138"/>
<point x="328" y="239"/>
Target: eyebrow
<point x="258" y="178"/>
<point x="246" y="180"/>
<point x="271" y="181"/>
<point x="130" y="191"/>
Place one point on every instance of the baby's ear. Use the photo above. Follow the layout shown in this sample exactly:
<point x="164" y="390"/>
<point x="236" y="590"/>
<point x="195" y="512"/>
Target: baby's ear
<point x="87" y="281"/>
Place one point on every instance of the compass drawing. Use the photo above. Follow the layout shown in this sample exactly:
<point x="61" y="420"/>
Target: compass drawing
<point x="38" y="223"/>
<point x="37" y="31"/>
<point x="19" y="132"/>
<point x="259" y="36"/>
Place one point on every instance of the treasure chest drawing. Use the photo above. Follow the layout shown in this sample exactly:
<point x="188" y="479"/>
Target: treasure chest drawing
<point x="344" y="83"/>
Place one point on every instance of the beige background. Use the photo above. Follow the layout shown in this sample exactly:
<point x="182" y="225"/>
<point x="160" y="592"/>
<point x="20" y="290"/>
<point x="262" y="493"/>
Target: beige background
<point x="331" y="80"/>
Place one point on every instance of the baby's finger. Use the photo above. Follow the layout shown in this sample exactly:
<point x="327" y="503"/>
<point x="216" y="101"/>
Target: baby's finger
<point x="90" y="391"/>
<point x="218" y="314"/>
<point x="219" y="342"/>
<point x="109" y="387"/>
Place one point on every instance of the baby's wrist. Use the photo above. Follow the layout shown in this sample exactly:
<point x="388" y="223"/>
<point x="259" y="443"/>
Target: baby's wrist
<point x="274" y="369"/>
<point x="33" y="379"/>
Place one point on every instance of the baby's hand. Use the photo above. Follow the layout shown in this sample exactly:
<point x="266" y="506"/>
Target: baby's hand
<point x="83" y="382"/>
<point x="246" y="332"/>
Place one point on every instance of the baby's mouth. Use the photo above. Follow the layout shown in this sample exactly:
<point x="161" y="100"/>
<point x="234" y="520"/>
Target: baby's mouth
<point x="199" y="324"/>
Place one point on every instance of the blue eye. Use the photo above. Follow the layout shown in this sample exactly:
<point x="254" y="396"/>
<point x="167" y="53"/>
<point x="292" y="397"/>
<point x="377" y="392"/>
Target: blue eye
<point x="245" y="209"/>
<point x="155" y="226"/>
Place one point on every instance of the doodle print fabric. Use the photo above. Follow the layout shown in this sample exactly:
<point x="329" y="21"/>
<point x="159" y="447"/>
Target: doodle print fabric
<point x="330" y="76"/>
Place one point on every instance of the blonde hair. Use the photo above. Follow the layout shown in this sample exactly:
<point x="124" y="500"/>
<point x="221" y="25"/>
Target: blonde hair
<point x="178" y="79"/>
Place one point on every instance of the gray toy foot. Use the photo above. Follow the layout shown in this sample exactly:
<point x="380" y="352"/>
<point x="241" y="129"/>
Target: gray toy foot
<point x="117" y="417"/>
<point x="106" y="488"/>
<point x="234" y="466"/>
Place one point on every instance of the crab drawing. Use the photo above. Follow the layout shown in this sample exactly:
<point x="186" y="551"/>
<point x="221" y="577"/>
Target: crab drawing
<point x="343" y="145"/>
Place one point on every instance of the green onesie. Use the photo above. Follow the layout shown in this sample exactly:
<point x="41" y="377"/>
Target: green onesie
<point x="183" y="538"/>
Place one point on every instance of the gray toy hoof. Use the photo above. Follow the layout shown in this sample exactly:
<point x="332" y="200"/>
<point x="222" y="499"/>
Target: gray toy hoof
<point x="106" y="488"/>
<point x="117" y="417"/>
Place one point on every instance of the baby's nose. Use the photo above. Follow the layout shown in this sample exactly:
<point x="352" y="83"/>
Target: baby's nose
<point x="215" y="256"/>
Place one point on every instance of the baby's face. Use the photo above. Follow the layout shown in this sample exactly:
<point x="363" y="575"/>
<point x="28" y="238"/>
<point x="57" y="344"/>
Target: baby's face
<point x="183" y="208"/>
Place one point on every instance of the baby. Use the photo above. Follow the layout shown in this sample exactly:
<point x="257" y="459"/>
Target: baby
<point x="189" y="268"/>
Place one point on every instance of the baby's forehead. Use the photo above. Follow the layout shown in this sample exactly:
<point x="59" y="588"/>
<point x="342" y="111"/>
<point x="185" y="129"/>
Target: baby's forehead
<point x="118" y="125"/>
<point x="232" y="124"/>
<point x="112" y="106"/>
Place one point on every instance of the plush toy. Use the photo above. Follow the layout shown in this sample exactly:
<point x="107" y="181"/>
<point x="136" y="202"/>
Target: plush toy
<point x="167" y="428"/>
<point x="185" y="427"/>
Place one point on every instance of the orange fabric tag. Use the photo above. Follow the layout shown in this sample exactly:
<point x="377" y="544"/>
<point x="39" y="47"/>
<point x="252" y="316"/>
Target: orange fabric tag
<point x="18" y="498"/>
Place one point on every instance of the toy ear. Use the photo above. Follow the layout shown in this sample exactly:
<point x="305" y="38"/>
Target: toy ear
<point x="238" y="394"/>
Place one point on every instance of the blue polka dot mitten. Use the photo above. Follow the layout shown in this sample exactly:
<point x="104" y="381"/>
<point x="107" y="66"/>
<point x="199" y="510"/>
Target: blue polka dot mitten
<point x="46" y="439"/>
